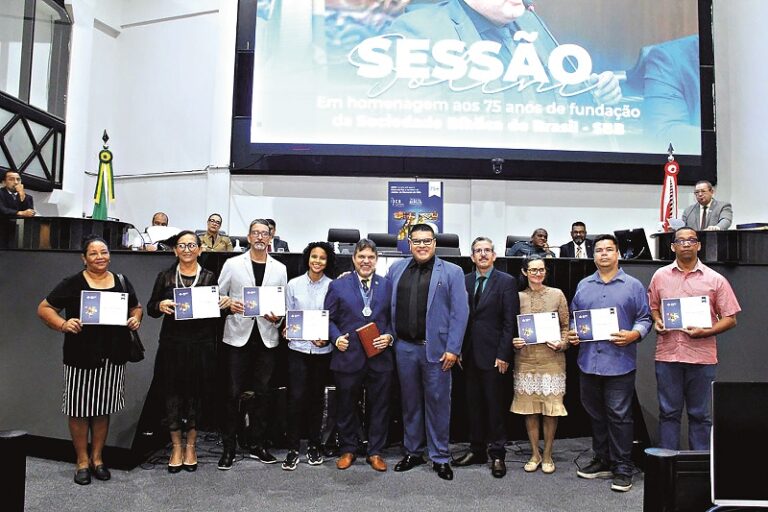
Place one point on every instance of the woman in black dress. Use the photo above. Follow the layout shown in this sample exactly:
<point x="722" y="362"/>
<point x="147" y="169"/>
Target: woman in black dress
<point x="186" y="352"/>
<point x="94" y="356"/>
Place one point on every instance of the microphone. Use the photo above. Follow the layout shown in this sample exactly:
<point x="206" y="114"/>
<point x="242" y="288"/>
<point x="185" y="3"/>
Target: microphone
<point x="528" y="5"/>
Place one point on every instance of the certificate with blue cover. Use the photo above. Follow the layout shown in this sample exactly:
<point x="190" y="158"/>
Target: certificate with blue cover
<point x="263" y="300"/>
<point x="308" y="324"/>
<point x="596" y="324"/>
<point x="103" y="308"/>
<point x="197" y="302"/>
<point x="679" y="314"/>
<point x="539" y="327"/>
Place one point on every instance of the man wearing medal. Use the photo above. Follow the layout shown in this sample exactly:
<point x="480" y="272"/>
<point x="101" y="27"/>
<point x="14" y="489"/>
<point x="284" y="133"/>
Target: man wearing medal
<point x="352" y="301"/>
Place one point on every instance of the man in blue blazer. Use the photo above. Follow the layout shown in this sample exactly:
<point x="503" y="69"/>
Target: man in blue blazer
<point x="352" y="301"/>
<point x="486" y="355"/>
<point x="429" y="314"/>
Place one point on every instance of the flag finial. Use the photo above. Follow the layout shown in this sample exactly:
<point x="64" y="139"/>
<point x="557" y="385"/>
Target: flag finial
<point x="670" y="151"/>
<point x="105" y="138"/>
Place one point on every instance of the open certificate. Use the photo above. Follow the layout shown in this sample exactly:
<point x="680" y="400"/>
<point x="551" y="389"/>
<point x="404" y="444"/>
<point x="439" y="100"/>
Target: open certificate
<point x="263" y="300"/>
<point x="596" y="324"/>
<point x="308" y="324"/>
<point x="539" y="327"/>
<point x="686" y="312"/>
<point x="103" y="308"/>
<point x="196" y="302"/>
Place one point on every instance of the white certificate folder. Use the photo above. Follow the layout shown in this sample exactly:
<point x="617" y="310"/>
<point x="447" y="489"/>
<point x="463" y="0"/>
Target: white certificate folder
<point x="596" y="324"/>
<point x="196" y="302"/>
<point x="264" y="300"/>
<point x="686" y="312"/>
<point x="539" y="327"/>
<point x="308" y="324"/>
<point x="103" y="308"/>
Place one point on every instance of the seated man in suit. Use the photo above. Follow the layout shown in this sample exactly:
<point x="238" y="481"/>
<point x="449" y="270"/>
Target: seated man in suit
<point x="429" y="312"/>
<point x="212" y="240"/>
<point x="708" y="214"/>
<point x="537" y="245"/>
<point x="486" y="354"/>
<point x="579" y="247"/>
<point x="144" y="241"/>
<point x="15" y="203"/>
<point x="352" y="301"/>
<point x="277" y="245"/>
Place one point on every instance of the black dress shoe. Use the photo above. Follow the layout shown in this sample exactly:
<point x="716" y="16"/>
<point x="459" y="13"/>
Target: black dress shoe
<point x="174" y="469"/>
<point x="260" y="453"/>
<point x="443" y="470"/>
<point x="498" y="468"/>
<point x="82" y="476"/>
<point x="101" y="472"/>
<point x="469" y="459"/>
<point x="408" y="463"/>
<point x="227" y="458"/>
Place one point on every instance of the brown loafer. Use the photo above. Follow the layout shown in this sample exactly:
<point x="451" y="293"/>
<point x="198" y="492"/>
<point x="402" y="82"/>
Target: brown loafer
<point x="345" y="460"/>
<point x="377" y="463"/>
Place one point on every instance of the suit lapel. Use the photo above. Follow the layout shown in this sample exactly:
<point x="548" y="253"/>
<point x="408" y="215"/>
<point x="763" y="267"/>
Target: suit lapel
<point x="490" y="283"/>
<point x="354" y="288"/>
<point x="249" y="269"/>
<point x="435" y="280"/>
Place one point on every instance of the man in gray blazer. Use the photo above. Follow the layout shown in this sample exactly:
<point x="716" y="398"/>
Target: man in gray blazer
<point x="249" y="353"/>
<point x="708" y="214"/>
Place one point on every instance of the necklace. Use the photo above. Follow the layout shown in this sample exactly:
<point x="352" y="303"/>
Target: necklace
<point x="180" y="279"/>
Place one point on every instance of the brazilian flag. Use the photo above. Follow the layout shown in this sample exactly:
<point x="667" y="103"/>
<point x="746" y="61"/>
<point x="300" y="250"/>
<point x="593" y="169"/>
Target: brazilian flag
<point x="105" y="186"/>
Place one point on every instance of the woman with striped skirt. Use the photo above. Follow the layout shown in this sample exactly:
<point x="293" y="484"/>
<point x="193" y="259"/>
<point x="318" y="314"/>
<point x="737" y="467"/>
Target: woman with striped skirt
<point x="94" y="356"/>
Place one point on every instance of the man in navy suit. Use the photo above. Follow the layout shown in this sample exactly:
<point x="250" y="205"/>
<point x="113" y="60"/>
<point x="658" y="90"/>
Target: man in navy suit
<point x="357" y="299"/>
<point x="580" y="247"/>
<point x="429" y="314"/>
<point x="486" y="354"/>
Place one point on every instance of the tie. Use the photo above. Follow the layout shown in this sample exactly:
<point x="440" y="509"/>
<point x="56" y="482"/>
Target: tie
<point x="479" y="290"/>
<point x="703" y="223"/>
<point x="365" y="285"/>
<point x="579" y="252"/>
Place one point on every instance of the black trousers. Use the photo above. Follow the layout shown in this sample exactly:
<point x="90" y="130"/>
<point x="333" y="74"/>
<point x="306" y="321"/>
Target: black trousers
<point x="307" y="375"/>
<point x="248" y="368"/>
<point x="486" y="410"/>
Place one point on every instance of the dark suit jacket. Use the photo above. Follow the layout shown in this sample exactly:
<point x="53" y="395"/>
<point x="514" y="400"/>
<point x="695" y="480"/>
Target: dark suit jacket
<point x="719" y="214"/>
<point x="279" y="244"/>
<point x="569" y="250"/>
<point x="493" y="324"/>
<point x="345" y="310"/>
<point x="10" y="204"/>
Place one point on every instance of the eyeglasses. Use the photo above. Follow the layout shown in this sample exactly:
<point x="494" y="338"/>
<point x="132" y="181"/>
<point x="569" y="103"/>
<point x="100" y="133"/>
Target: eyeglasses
<point x="536" y="271"/>
<point x="686" y="241"/>
<point x="215" y="221"/>
<point x="484" y="250"/>
<point x="191" y="246"/>
<point x="422" y="241"/>
<point x="260" y="234"/>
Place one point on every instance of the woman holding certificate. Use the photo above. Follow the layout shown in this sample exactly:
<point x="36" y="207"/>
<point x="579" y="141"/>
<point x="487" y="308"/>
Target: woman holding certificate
<point x="96" y="347"/>
<point x="308" y="360"/>
<point x="540" y="364"/>
<point x="186" y="350"/>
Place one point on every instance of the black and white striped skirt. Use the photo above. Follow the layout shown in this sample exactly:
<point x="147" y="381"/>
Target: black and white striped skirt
<point x="95" y="391"/>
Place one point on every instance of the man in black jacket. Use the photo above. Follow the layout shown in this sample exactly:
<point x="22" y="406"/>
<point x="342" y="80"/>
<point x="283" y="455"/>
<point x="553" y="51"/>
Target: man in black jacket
<point x="486" y="356"/>
<point x="580" y="247"/>
<point x="15" y="203"/>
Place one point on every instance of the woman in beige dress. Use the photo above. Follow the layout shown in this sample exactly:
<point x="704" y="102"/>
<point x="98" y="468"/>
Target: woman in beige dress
<point x="540" y="369"/>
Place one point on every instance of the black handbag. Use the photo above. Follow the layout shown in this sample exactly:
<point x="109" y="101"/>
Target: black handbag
<point x="135" y="346"/>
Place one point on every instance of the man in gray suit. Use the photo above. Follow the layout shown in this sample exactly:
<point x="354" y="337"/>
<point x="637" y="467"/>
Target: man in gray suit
<point x="249" y="343"/>
<point x="708" y="214"/>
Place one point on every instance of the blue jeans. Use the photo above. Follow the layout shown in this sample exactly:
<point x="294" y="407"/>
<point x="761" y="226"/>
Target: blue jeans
<point x="690" y="385"/>
<point x="608" y="401"/>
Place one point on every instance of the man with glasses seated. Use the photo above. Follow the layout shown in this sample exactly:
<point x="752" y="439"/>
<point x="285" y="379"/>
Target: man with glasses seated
<point x="707" y="214"/>
<point x="493" y="308"/>
<point x="686" y="358"/>
<point x="212" y="240"/>
<point x="249" y="354"/>
<point x="429" y="313"/>
<point x="537" y="245"/>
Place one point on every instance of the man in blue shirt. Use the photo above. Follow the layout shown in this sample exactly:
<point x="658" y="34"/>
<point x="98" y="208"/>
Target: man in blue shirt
<point x="607" y="380"/>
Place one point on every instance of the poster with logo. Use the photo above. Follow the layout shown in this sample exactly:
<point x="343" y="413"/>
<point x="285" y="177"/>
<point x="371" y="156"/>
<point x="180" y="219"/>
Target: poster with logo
<point x="411" y="203"/>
